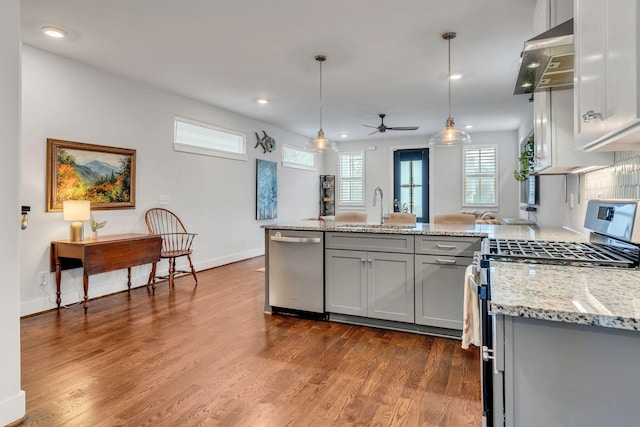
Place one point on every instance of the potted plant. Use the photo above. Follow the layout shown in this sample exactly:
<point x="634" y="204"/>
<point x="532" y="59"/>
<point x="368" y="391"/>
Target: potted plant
<point x="526" y="161"/>
<point x="95" y="226"/>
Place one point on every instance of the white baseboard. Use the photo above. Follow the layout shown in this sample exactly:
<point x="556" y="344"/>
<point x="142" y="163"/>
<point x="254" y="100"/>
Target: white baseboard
<point x="116" y="281"/>
<point x="12" y="408"/>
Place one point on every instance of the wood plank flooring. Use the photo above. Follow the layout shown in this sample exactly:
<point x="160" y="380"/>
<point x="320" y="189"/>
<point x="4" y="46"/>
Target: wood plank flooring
<point x="209" y="356"/>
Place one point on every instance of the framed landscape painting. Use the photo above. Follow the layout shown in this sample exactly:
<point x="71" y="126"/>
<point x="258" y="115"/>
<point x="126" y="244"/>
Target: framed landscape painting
<point x="106" y="176"/>
<point x="266" y="189"/>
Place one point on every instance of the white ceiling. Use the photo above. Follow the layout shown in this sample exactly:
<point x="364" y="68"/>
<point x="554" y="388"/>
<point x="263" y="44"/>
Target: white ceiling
<point x="382" y="56"/>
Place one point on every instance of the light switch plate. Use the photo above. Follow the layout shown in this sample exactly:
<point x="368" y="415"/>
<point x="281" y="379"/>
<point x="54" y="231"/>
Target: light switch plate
<point x="163" y="200"/>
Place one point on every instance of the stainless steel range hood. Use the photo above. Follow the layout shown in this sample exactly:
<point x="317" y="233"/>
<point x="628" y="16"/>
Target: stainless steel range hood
<point x="547" y="61"/>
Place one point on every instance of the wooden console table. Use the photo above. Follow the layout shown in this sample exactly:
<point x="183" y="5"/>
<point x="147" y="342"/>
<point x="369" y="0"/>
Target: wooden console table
<point x="106" y="253"/>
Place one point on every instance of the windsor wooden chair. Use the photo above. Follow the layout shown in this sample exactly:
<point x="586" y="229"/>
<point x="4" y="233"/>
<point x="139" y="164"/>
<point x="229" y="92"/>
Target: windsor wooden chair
<point x="176" y="243"/>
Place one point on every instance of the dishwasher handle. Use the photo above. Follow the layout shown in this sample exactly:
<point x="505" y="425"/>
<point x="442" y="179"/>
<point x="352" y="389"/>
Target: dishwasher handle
<point x="296" y="239"/>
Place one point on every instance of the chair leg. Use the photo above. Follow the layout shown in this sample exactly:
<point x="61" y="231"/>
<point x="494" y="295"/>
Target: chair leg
<point x="152" y="279"/>
<point x="172" y="271"/>
<point x="193" y="271"/>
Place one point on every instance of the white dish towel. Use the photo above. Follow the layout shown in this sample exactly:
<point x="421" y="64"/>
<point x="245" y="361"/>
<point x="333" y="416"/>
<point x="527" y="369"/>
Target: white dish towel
<point x="471" y="314"/>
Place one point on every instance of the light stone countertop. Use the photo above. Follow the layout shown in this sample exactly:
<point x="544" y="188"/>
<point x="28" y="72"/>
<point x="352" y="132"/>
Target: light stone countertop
<point x="588" y="296"/>
<point x="526" y="232"/>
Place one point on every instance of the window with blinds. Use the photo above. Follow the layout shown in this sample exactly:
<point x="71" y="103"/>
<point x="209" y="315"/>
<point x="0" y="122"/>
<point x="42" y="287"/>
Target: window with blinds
<point x="480" y="180"/>
<point x="196" y="137"/>
<point x="351" y="180"/>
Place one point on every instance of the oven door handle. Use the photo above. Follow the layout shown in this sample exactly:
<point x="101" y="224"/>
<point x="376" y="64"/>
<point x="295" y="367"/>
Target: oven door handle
<point x="479" y="289"/>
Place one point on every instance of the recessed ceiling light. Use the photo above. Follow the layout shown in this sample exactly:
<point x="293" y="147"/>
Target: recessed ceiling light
<point x="456" y="76"/>
<point x="53" y="32"/>
<point x="262" y="101"/>
<point x="344" y="135"/>
<point x="468" y="126"/>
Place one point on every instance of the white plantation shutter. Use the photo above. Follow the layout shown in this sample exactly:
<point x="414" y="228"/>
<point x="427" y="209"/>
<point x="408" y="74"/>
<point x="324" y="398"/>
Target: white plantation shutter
<point x="480" y="176"/>
<point x="351" y="180"/>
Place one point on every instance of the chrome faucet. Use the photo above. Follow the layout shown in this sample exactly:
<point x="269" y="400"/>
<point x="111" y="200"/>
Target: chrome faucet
<point x="375" y="197"/>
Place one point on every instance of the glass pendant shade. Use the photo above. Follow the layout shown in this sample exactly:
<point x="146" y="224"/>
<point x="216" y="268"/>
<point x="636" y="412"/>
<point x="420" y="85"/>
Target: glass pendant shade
<point x="320" y="144"/>
<point x="449" y="136"/>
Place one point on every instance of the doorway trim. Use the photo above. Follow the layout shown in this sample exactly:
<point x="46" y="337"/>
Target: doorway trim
<point x="394" y="148"/>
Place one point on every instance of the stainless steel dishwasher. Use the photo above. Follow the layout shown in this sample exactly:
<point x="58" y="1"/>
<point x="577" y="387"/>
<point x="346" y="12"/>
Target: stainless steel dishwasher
<point x="296" y="270"/>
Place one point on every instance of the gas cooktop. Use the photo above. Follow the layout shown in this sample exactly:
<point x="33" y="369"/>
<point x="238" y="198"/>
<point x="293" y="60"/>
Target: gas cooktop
<point x="563" y="253"/>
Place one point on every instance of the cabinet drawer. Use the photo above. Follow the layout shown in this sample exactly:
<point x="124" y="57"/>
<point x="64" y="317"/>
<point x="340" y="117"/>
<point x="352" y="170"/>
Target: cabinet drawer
<point x="397" y="243"/>
<point x="452" y="246"/>
<point x="445" y="260"/>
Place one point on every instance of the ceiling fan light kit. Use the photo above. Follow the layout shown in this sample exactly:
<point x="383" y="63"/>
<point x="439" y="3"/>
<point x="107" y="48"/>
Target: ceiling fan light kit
<point x="449" y="136"/>
<point x="320" y="144"/>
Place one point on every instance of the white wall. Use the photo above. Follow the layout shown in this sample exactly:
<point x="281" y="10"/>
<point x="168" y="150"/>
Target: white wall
<point x="215" y="197"/>
<point x="12" y="399"/>
<point x="445" y="171"/>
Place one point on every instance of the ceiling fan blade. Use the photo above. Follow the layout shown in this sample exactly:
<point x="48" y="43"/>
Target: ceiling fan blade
<point x="375" y="127"/>
<point x="404" y="128"/>
<point x="375" y="131"/>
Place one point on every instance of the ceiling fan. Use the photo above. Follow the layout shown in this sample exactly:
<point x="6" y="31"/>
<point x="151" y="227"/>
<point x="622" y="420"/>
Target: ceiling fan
<point x="382" y="128"/>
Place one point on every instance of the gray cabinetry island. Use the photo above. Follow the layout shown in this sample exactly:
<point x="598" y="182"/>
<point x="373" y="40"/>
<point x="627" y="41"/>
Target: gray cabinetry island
<point x="384" y="275"/>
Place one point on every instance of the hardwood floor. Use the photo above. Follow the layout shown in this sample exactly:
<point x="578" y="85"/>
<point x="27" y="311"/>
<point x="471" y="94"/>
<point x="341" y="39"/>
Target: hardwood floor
<point x="210" y="356"/>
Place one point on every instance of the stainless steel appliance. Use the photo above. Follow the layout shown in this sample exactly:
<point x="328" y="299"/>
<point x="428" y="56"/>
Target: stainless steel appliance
<point x="614" y="242"/>
<point x="296" y="271"/>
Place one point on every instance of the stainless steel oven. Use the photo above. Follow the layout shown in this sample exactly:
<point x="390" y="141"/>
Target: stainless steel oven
<point x="614" y="242"/>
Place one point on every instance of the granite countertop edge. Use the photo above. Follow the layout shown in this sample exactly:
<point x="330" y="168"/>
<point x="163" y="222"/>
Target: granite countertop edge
<point x="600" y="297"/>
<point x="526" y="232"/>
<point x="588" y="319"/>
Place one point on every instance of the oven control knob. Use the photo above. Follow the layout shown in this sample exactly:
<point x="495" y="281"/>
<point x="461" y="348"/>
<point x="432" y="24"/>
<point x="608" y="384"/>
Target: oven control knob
<point x="487" y="353"/>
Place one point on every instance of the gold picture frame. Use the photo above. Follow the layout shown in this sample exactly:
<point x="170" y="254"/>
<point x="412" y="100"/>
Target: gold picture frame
<point x="106" y="176"/>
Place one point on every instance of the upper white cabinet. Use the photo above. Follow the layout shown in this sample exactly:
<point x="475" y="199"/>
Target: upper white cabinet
<point x="553" y="111"/>
<point x="606" y="89"/>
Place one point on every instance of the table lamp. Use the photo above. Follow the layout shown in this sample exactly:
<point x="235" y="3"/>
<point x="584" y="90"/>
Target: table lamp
<point x="76" y="211"/>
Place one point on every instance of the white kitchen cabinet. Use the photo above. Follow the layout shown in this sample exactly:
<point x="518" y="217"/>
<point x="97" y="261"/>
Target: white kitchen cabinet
<point x="549" y="13"/>
<point x="555" y="151"/>
<point x="607" y="84"/>
<point x="377" y="283"/>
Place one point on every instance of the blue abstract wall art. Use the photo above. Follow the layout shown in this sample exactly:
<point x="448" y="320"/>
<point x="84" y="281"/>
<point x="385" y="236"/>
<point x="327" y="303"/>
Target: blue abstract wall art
<point x="266" y="189"/>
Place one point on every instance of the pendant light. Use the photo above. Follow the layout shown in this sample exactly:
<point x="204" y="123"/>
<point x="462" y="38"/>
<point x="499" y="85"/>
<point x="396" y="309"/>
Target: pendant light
<point x="321" y="144"/>
<point x="449" y="136"/>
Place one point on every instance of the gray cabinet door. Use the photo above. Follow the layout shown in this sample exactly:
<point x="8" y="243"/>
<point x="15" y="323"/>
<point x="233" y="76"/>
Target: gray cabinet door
<point x="439" y="295"/>
<point x="390" y="284"/>
<point x="346" y="282"/>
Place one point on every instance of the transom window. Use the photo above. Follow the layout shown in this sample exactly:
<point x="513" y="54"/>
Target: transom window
<point x="196" y="137"/>
<point x="294" y="157"/>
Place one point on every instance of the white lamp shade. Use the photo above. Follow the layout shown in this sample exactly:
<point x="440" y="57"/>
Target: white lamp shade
<point x="76" y="210"/>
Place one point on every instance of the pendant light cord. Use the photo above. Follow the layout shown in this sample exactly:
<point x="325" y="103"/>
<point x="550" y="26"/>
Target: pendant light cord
<point x="449" y="75"/>
<point x="320" y="59"/>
